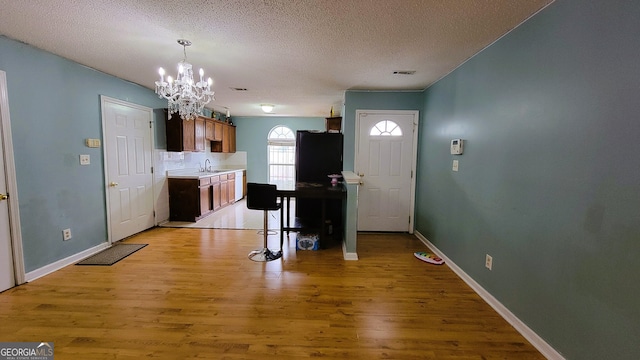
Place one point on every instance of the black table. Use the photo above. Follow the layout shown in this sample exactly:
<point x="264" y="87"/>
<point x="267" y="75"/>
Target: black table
<point x="310" y="191"/>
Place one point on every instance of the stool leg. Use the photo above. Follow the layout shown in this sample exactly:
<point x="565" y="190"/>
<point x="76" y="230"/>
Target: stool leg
<point x="265" y="254"/>
<point x="266" y="227"/>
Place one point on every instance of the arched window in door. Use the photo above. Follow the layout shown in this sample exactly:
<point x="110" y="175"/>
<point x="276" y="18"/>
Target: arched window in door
<point x="386" y="128"/>
<point x="282" y="157"/>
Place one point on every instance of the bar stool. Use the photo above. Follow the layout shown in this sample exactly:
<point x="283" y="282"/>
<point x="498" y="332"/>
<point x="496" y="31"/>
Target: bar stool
<point x="263" y="197"/>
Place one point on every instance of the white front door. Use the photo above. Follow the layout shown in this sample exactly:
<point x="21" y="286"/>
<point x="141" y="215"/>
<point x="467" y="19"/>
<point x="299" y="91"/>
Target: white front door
<point x="7" y="273"/>
<point x="129" y="180"/>
<point x="385" y="161"/>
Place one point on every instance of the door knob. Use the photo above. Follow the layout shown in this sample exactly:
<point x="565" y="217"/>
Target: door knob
<point x="113" y="184"/>
<point x="361" y="174"/>
<point x="4" y="197"/>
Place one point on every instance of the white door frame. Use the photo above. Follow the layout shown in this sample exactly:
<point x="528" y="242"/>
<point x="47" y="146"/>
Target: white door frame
<point x="104" y="99"/>
<point x="12" y="183"/>
<point x="414" y="153"/>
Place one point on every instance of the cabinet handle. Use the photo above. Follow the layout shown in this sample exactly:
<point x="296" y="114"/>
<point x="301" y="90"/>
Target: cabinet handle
<point x="113" y="184"/>
<point x="4" y="197"/>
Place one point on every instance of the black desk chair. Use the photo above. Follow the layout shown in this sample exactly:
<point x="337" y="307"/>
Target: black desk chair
<point x="263" y="197"/>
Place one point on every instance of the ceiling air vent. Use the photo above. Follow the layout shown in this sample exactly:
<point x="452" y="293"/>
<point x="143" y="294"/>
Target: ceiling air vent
<point x="238" y="89"/>
<point x="404" y="72"/>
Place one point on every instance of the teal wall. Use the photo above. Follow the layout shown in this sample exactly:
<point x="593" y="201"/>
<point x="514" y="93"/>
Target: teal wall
<point x="54" y="106"/>
<point x="372" y="100"/>
<point x="251" y="136"/>
<point x="549" y="182"/>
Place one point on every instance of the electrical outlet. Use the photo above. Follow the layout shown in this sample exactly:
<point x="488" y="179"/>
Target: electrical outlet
<point x="66" y="234"/>
<point x="85" y="160"/>
<point x="488" y="263"/>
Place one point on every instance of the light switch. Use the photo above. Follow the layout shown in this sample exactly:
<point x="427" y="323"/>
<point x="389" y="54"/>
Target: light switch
<point x="92" y="143"/>
<point x="455" y="165"/>
<point x="85" y="160"/>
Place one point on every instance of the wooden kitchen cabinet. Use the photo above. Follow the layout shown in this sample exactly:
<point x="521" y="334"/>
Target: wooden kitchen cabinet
<point x="209" y="129"/>
<point x="224" y="190"/>
<point x="215" y="193"/>
<point x="200" y="141"/>
<point x="231" y="185"/>
<point x="205" y="196"/>
<point x="185" y="135"/>
<point x="218" y="130"/>
<point x="193" y="199"/>
<point x="232" y="139"/>
<point x="186" y="202"/>
<point x="227" y="135"/>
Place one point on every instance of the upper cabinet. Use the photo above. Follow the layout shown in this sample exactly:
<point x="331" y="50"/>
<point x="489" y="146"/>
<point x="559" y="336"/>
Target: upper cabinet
<point x="181" y="134"/>
<point x="225" y="138"/>
<point x="196" y="135"/>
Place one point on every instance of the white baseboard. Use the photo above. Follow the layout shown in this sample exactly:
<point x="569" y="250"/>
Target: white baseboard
<point x="48" y="269"/>
<point x="535" y="340"/>
<point x="348" y="255"/>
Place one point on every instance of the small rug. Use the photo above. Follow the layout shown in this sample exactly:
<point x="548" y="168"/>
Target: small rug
<point x="112" y="255"/>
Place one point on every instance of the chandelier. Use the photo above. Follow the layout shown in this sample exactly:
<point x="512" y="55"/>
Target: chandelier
<point x="183" y="95"/>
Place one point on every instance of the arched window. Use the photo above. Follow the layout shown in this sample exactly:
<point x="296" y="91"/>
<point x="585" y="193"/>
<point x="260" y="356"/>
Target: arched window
<point x="386" y="128"/>
<point x="281" y="144"/>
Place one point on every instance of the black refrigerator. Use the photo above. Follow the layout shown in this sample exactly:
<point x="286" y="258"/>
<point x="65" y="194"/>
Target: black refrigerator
<point x="318" y="154"/>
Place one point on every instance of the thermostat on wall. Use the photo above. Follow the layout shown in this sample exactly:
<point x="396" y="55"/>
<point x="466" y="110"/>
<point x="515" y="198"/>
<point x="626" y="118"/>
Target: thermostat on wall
<point x="456" y="146"/>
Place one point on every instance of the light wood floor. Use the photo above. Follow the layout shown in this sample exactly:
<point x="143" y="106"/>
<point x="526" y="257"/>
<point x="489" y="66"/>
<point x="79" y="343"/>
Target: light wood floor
<point x="193" y="294"/>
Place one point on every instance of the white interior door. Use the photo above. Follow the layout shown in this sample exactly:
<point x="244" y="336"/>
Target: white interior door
<point x="7" y="278"/>
<point x="128" y="162"/>
<point x="385" y="161"/>
<point x="7" y="271"/>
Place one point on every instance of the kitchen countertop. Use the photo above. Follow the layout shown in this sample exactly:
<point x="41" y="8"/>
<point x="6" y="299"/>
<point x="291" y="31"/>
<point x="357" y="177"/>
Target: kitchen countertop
<point x="195" y="174"/>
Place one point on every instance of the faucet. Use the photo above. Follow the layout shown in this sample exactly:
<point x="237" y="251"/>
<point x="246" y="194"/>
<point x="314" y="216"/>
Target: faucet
<point x="205" y="165"/>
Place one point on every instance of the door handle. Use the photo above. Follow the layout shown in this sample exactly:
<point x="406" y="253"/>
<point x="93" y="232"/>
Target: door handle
<point x="113" y="184"/>
<point x="4" y="197"/>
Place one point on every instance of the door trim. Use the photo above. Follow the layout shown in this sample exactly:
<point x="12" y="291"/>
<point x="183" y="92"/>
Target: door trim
<point x="414" y="153"/>
<point x="12" y="183"/>
<point x="106" y="99"/>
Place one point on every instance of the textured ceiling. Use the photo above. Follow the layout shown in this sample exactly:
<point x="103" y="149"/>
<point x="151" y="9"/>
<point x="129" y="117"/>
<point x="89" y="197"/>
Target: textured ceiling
<point x="300" y="55"/>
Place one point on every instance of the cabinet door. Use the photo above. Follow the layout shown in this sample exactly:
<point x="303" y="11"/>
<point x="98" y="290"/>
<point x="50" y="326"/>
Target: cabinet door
<point x="217" y="132"/>
<point x="188" y="135"/>
<point x="232" y="139"/>
<point x="209" y="130"/>
<point x="231" y="184"/>
<point x="225" y="138"/>
<point x="215" y="190"/>
<point x="224" y="190"/>
<point x="205" y="200"/>
<point x="199" y="135"/>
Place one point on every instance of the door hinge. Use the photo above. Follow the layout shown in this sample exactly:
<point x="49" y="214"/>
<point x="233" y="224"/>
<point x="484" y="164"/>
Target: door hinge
<point x="150" y="123"/>
<point x="152" y="169"/>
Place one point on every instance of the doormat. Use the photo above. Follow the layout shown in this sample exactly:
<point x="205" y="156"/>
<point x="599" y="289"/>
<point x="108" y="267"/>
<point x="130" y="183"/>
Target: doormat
<point x="112" y="255"/>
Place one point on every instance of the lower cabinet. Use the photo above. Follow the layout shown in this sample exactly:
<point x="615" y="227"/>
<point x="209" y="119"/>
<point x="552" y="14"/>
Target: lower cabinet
<point x="193" y="199"/>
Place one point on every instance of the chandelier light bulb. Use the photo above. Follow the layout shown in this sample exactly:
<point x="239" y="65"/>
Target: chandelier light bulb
<point x="161" y="72"/>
